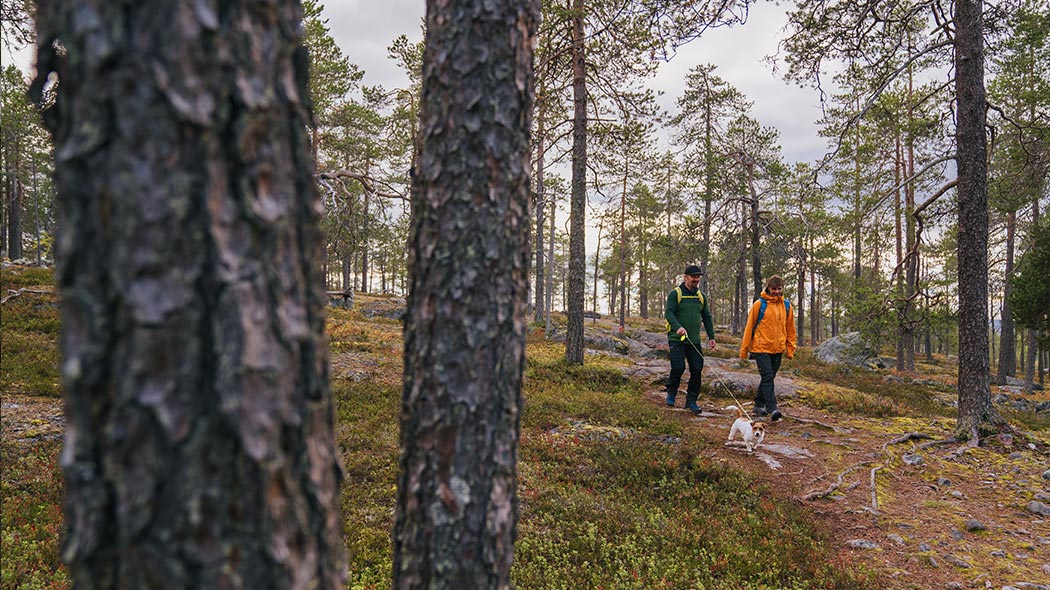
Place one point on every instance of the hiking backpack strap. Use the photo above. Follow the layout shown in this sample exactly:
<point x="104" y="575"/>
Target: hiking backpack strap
<point x="762" y="312"/>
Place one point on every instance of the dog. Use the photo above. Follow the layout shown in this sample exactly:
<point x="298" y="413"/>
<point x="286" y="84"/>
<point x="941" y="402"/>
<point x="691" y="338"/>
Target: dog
<point x="751" y="431"/>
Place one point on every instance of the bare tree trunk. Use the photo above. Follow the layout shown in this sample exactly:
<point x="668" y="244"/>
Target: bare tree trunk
<point x="199" y="449"/>
<point x="814" y="312"/>
<point x="800" y="298"/>
<point x="550" y="273"/>
<point x="1007" y="343"/>
<point x="975" y="399"/>
<point x="541" y="201"/>
<point x="578" y="208"/>
<point x="456" y="517"/>
<point x="756" y="231"/>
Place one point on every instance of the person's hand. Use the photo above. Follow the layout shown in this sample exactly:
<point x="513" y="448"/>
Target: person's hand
<point x="711" y="344"/>
<point x="680" y="331"/>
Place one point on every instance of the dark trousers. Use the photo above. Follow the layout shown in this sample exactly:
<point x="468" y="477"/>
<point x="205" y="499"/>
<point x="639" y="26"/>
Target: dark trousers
<point x="768" y="365"/>
<point x="681" y="353"/>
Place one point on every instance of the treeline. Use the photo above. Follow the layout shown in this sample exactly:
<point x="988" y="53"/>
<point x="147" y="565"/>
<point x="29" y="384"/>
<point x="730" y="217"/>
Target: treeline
<point x="867" y="237"/>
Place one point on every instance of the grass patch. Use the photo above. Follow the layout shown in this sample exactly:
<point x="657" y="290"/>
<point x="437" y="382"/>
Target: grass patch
<point x="893" y="399"/>
<point x="29" y="328"/>
<point x="649" y="508"/>
<point x="31" y="517"/>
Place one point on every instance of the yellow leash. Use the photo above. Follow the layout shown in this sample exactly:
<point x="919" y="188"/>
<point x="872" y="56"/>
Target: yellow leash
<point x="685" y="338"/>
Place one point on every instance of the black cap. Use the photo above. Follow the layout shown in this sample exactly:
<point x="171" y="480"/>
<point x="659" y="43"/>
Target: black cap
<point x="693" y="269"/>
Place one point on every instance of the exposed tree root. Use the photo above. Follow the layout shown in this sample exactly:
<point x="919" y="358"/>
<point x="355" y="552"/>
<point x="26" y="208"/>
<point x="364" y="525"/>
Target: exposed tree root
<point x="19" y="292"/>
<point x="831" y="427"/>
<point x="838" y="483"/>
<point x="905" y="437"/>
<point x="937" y="442"/>
<point x="874" y="494"/>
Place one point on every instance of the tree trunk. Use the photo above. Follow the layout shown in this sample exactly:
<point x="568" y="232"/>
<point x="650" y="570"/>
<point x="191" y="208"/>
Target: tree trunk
<point x="1007" y="343"/>
<point x="14" y="212"/>
<point x="623" y="246"/>
<point x="541" y="201"/>
<point x="756" y="232"/>
<point x="199" y="448"/>
<point x="578" y="208"/>
<point x="800" y="299"/>
<point x="975" y="399"/>
<point x="465" y="324"/>
<point x="550" y="274"/>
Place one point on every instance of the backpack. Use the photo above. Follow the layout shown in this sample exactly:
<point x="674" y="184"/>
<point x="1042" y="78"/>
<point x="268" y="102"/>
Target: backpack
<point x="678" y="290"/>
<point x="698" y="295"/>
<point x="762" y="312"/>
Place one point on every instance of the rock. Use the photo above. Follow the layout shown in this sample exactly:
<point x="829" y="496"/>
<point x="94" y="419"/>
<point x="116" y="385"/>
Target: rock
<point x="974" y="525"/>
<point x="862" y="544"/>
<point x="1042" y="496"/>
<point x="1015" y="455"/>
<point x="1030" y="586"/>
<point x="1043" y="407"/>
<point x="997" y="553"/>
<point x="911" y="459"/>
<point x="944" y="481"/>
<point x="1005" y="439"/>
<point x="925" y="547"/>
<point x="956" y="494"/>
<point x="1046" y="475"/>
<point x="956" y="534"/>
<point x="848" y="349"/>
<point x="1038" y="508"/>
<point x="895" y="538"/>
<point x="953" y="586"/>
<point x="957" y="562"/>
<point x="894" y="379"/>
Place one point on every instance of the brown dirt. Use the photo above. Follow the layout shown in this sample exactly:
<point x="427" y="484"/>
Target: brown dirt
<point x="992" y="484"/>
<point x="927" y="516"/>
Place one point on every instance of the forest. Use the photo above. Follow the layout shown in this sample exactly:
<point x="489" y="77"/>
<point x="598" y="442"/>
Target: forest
<point x="922" y="228"/>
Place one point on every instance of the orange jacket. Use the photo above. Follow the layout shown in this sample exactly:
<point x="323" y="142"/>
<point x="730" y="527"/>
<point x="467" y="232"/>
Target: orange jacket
<point x="776" y="331"/>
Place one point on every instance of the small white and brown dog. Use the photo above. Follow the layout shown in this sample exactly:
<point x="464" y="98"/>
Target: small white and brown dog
<point x="751" y="431"/>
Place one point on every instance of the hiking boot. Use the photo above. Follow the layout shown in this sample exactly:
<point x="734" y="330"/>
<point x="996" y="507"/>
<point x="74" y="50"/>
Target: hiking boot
<point x="692" y="407"/>
<point x="670" y="400"/>
<point x="760" y="411"/>
<point x="776" y="415"/>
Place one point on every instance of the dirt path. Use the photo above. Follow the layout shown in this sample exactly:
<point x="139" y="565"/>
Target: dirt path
<point x="921" y="515"/>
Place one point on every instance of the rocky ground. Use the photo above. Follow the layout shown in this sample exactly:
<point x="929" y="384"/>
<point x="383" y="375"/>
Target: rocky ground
<point x="927" y="514"/>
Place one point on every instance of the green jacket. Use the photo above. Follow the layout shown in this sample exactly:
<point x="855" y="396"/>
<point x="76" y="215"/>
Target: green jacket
<point x="685" y="309"/>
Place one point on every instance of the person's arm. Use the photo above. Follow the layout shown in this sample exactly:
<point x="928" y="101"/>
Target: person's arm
<point x="670" y="311"/>
<point x="792" y="339"/>
<point x="709" y="324"/>
<point x="745" y="341"/>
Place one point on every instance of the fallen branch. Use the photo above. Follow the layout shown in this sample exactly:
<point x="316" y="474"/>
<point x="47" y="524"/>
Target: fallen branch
<point x="975" y="439"/>
<point x="874" y="494"/>
<point x="19" y="292"/>
<point x="838" y="483"/>
<point x="904" y="438"/>
<point x="937" y="442"/>
<point x="833" y="428"/>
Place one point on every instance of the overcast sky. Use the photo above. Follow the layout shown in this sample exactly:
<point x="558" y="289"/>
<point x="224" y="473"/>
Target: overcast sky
<point x="365" y="28"/>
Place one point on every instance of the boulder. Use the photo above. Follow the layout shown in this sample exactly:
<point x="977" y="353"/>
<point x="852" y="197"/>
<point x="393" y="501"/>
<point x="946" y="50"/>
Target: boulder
<point x="849" y="349"/>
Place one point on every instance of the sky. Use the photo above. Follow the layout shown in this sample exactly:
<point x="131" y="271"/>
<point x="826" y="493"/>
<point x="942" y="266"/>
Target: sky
<point x="364" y="32"/>
<point x="364" y="29"/>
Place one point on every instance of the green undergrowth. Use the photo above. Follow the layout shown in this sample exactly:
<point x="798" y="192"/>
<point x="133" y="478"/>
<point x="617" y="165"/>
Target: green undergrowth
<point x="614" y="493"/>
<point x="875" y="396"/>
<point x="31" y="517"/>
<point x="29" y="326"/>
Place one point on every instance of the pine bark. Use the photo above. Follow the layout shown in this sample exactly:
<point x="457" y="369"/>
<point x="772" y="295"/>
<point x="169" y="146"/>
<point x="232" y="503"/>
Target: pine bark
<point x="465" y="324"/>
<point x="578" y="203"/>
<point x="1007" y="338"/>
<point x="199" y="449"/>
<point x="975" y="400"/>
